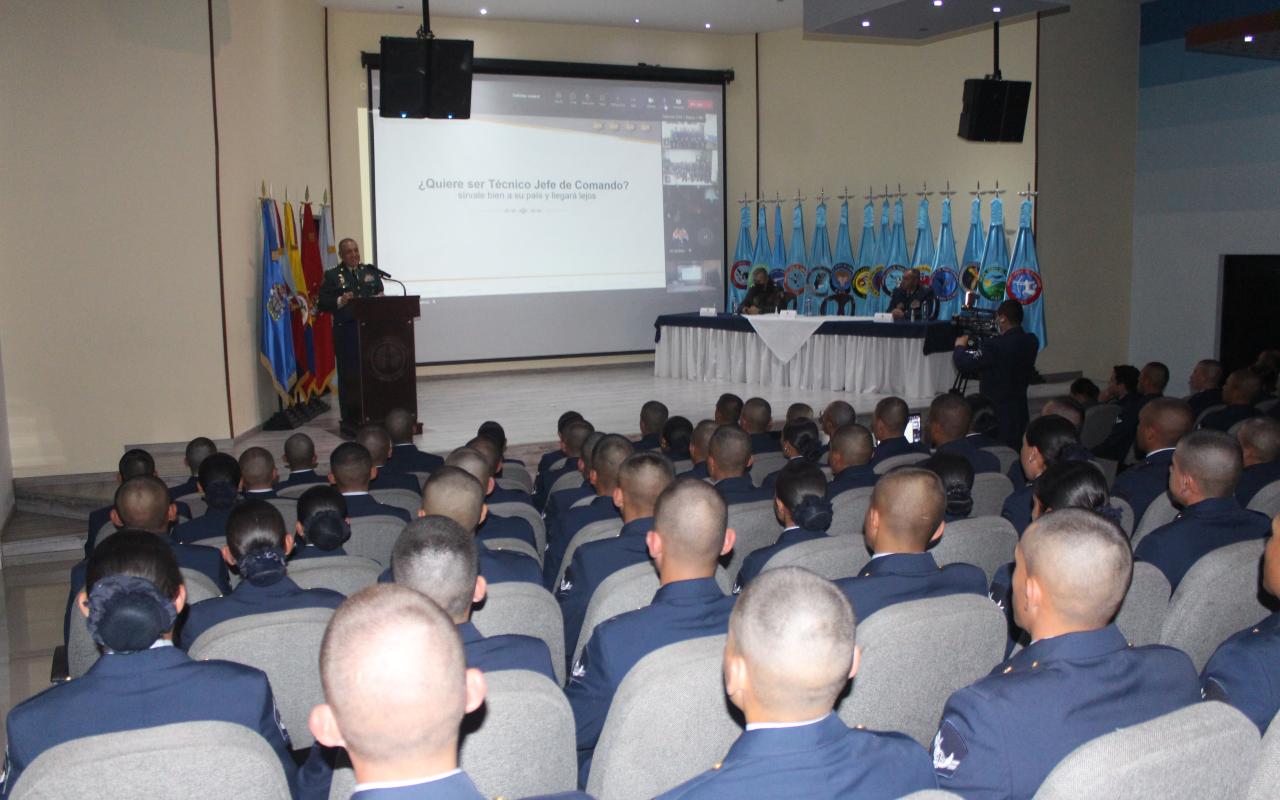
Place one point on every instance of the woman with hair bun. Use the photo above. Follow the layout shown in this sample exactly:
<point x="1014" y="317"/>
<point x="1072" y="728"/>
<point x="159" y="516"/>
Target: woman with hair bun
<point x="323" y="526"/>
<point x="801" y="443"/>
<point x="133" y="594"/>
<point x="956" y="474"/>
<point x="219" y="481"/>
<point x="801" y="506"/>
<point x="1048" y="440"/>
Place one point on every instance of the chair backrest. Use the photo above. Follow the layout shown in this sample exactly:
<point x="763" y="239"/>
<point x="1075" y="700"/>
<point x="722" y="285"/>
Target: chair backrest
<point x="989" y="492"/>
<point x="1098" y="422"/>
<point x="283" y="644"/>
<point x="82" y="650"/>
<point x="569" y="480"/>
<point x="527" y="513"/>
<point x="593" y="532"/>
<point x="583" y="501"/>
<point x="291" y="492"/>
<point x="374" y="537"/>
<point x="1267" y="777"/>
<point x="832" y="557"/>
<point x="1126" y="514"/>
<point x="1208" y="411"/>
<point x="421" y="477"/>
<point x="199" y="586"/>
<point x="915" y="655"/>
<point x="521" y="741"/>
<point x="840" y="304"/>
<point x="195" y="502"/>
<point x="186" y="759"/>
<point x="683" y="465"/>
<point x="1203" y="750"/>
<point x="559" y="463"/>
<point x="985" y="542"/>
<point x="288" y="508"/>
<point x="216" y="542"/>
<point x="108" y="529"/>
<point x="1108" y="467"/>
<point x="625" y="590"/>
<point x="516" y="477"/>
<point x="1005" y="455"/>
<point x="644" y="748"/>
<point x="525" y="608"/>
<point x="1160" y="512"/>
<point x="765" y="464"/>
<point x="1145" y="606"/>
<point x="399" y="498"/>
<point x="343" y="574"/>
<point x="849" y="512"/>
<point x="513" y="544"/>
<point x="1267" y="500"/>
<point x="1217" y="597"/>
<point x="755" y="526"/>
<point x="898" y="461"/>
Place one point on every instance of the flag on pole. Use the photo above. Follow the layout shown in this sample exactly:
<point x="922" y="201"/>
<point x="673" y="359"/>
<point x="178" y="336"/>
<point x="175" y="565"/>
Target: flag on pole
<point x="740" y="273"/>
<point x="895" y="264"/>
<point x="763" y="253"/>
<point x="923" y="257"/>
<point x="276" y="346"/>
<point x="971" y="262"/>
<point x="328" y="245"/>
<point x="323" y="365"/>
<point x="946" y="270"/>
<point x="305" y="387"/>
<point x="818" y="286"/>
<point x="778" y="258"/>
<point x="298" y="317"/>
<point x="842" y="274"/>
<point x="995" y="259"/>
<point x="878" y="298"/>
<point x="1025" y="284"/>
<point x="864" y="280"/>
<point x="796" y="278"/>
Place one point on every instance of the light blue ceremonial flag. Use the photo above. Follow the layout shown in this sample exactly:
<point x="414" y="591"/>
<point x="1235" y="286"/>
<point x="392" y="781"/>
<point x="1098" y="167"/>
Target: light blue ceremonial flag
<point x="878" y="298"/>
<point x="778" y="258"/>
<point x="841" y="279"/>
<point x="1025" y="284"/>
<point x="895" y="262"/>
<point x="762" y="254"/>
<point x="946" y="270"/>
<point x="995" y="259"/>
<point x="740" y="272"/>
<point x="796" y="278"/>
<point x="922" y="256"/>
<point x="971" y="261"/>
<point x="818" y="285"/>
<point x="868" y="256"/>
<point x="276" y="348"/>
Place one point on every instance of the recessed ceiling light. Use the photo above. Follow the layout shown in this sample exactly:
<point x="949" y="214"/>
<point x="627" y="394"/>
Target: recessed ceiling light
<point x="637" y="20"/>
<point x="866" y="23"/>
<point x="707" y="26"/>
<point x="938" y="3"/>
<point x="484" y="11"/>
<point x="996" y="9"/>
<point x="1248" y="39"/>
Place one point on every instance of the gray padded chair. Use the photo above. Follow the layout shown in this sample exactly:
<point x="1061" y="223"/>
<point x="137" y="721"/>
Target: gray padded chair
<point x="421" y="478"/>
<point x="283" y="644"/>
<point x="524" y="608"/>
<point x="288" y="509"/>
<point x="569" y="480"/>
<point x="849" y="512"/>
<point x="527" y="513"/>
<point x="683" y="465"/>
<point x="593" y="532"/>
<point x="765" y="464"/>
<point x="295" y="491"/>
<point x="166" y="762"/>
<point x="195" y="502"/>
<point x="216" y="542"/>
<point x="645" y="749"/>
<point x="399" y="498"/>
<point x="516" y="477"/>
<point x="905" y="459"/>
<point x="343" y="574"/>
<point x="1126" y="514"/>
<point x="1006" y="456"/>
<point x="989" y="492"/>
<point x="1217" y="597"/>
<point x="107" y="530"/>
<point x="1098" y="422"/>
<point x="985" y="542"/>
<point x="517" y="545"/>
<point x="520" y="743"/>
<point x="1145" y="606"/>
<point x="915" y="655"/>
<point x="832" y="557"/>
<point x="1267" y="777"/>
<point x="1108" y="468"/>
<point x="584" y="501"/>
<point x="1201" y="751"/>
<point x="1267" y="500"/>
<point x="1208" y="411"/>
<point x="559" y="463"/>
<point x="1160" y="512"/>
<point x="756" y="526"/>
<point x="373" y="537"/>
<point x="343" y="784"/>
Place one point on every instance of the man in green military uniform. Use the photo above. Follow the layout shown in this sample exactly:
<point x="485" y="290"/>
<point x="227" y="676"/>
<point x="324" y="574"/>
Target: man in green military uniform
<point x="349" y="279"/>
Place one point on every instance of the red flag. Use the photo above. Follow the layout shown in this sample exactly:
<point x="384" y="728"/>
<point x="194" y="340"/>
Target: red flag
<point x="321" y="323"/>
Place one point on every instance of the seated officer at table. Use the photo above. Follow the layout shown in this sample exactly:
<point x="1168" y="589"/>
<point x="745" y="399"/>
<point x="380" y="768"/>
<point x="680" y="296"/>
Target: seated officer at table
<point x="850" y="459"/>
<point x="764" y="296"/>
<point x="789" y="654"/>
<point x="349" y="279"/>
<point x="1078" y="679"/>
<point x="911" y="301"/>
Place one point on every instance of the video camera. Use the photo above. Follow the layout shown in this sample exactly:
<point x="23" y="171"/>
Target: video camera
<point x="979" y="324"/>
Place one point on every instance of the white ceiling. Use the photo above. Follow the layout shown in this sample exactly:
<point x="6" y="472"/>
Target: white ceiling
<point x="725" y="16"/>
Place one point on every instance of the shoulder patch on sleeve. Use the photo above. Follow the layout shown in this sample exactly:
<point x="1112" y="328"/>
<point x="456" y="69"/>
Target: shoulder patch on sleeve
<point x="949" y="750"/>
<point x="284" y="732"/>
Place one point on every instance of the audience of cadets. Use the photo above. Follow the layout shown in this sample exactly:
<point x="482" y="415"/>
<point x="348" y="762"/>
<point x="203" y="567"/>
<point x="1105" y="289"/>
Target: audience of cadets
<point x="1085" y="392"/>
<point x="653" y="416"/>
<point x="835" y="416"/>
<point x="487" y="447"/>
<point x="1077" y="680"/>
<point x="606" y="459"/>
<point x="1161" y="423"/>
<point x="566" y="499"/>
<point x="350" y="469"/>
<point x="437" y="557"/>
<point x="134" y="463"/>
<point x="1048" y="440"/>
<point x="492" y="526"/>
<point x="642" y="477"/>
<point x="1064" y="407"/>
<point x="801" y="507"/>
<point x="1245" y="669"/>
<point x="956" y="474"/>
<point x="405" y="455"/>
<point x="300" y="457"/>
<point x="789" y="654"/>
<point x="1259" y="439"/>
<point x="757" y="417"/>
<point x="1242" y="390"/>
<point x="576" y="436"/>
<point x="677" y="436"/>
<point x="801" y="444"/>
<point x="1202" y="481"/>
<point x="947" y="430"/>
<point x="983" y="425"/>
<point x="1130" y="390"/>
<point x="197" y="450"/>
<point x="133" y="595"/>
<point x="689" y="535"/>
<point x="888" y="424"/>
<point x="851" y="450"/>
<point x="561" y="454"/>
<point x="377" y="441"/>
<point x="493" y="431"/>
<point x="700" y="448"/>
<point x="258" y="546"/>
<point x="1205" y="383"/>
<point x="322" y="527"/>
<point x="728" y="409"/>
<point x="905" y="515"/>
<point x="1005" y="365"/>
<point x="728" y="459"/>
<point x="219" y="482"/>
<point x="258" y="475"/>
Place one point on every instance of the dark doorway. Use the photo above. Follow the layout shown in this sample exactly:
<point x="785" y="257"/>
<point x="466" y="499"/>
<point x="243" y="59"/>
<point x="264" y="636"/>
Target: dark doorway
<point x="1250" y="313"/>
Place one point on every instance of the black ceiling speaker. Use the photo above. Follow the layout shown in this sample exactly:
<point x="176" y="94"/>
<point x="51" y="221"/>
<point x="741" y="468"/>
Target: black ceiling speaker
<point x="995" y="110"/>
<point x="425" y="78"/>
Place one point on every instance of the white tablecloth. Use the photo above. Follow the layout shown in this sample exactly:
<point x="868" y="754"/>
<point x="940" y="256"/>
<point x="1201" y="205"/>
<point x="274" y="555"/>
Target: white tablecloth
<point x="859" y="364"/>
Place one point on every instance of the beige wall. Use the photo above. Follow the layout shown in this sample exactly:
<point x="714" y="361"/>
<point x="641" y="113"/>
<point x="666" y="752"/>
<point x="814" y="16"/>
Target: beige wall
<point x="6" y="460"/>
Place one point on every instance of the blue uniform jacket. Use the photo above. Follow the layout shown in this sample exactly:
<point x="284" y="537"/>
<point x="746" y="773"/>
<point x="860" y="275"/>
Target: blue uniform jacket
<point x="457" y="786"/>
<point x="362" y="504"/>
<point x="1001" y="593"/>
<point x="407" y="457"/>
<point x="979" y="459"/>
<point x="247" y="599"/>
<point x="508" y="651"/>
<point x="650" y="441"/>
<point x="125" y="692"/>
<point x="393" y="479"/>
<point x="1202" y="401"/>
<point x="697" y="472"/>
<point x="1245" y="672"/>
<point x="861" y="476"/>
<point x="819" y="760"/>
<point x="754" y="562"/>
<point x="591" y="564"/>
<point x="1146" y="480"/>
<point x="1254" y="478"/>
<point x="301" y="477"/>
<point x="496" y="526"/>
<point x="1017" y="508"/>
<point x="1200" y="529"/>
<point x="680" y="611"/>
<point x="902" y="577"/>
<point x="894" y="446"/>
<point x="1224" y="418"/>
<point x="562" y="501"/>
<point x="765" y="443"/>
<point x="1125" y="430"/>
<point x="1000" y="737"/>
<point x="189" y="486"/>
<point x="1005" y="365"/>
<point x="212" y="523"/>
<point x="740" y="489"/>
<point x="982" y="441"/>
<point x="101" y="516"/>
<point x="561" y="532"/>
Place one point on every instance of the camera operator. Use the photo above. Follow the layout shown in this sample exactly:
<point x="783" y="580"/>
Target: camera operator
<point x="1005" y="365"/>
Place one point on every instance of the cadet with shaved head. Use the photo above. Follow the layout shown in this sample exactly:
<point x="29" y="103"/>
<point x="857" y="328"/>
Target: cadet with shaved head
<point x="1242" y="390"/>
<point x="132" y="464"/>
<point x="300" y="456"/>
<point x="689" y="535"/>
<point x="606" y="461"/>
<point x="653" y="416"/>
<point x="377" y="441"/>
<point x="757" y="416"/>
<point x="492" y="451"/>
<point x="728" y="459"/>
<point x="1206" y="468"/>
<point x="405" y="455"/>
<point x="573" y="438"/>
<point x="1161" y="423"/>
<point x="905" y="515"/>
<point x="851" y="450"/>
<point x="565" y="499"/>
<point x="789" y="654"/>
<point x="493" y="526"/>
<point x="676" y="437"/>
<point x="1078" y="679"/>
<point x="258" y="473"/>
<point x="350" y="469"/>
<point x="1259" y="439"/>
<point x="947" y="430"/>
<point x="1205" y="383"/>
<point x="889" y="424"/>
<point x="700" y="448"/>
<point x="835" y="416"/>
<point x="559" y="456"/>
<point x="197" y="450"/>
<point x="728" y="409"/>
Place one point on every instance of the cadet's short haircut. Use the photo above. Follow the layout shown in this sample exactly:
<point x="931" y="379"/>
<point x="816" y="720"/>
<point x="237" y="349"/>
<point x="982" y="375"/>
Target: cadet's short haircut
<point x="677" y="433"/>
<point x="392" y="669"/>
<point x="254" y="524"/>
<point x="1262" y="436"/>
<point x="566" y="418"/>
<point x="1010" y="310"/>
<point x="952" y="414"/>
<point x="642" y="477"/>
<point x="487" y="448"/>
<point x="853" y="443"/>
<point x="607" y="459"/>
<point x="653" y="415"/>
<point x="892" y="413"/>
<point x="256" y="466"/>
<point x="453" y="493"/>
<point x="837" y="414"/>
<point x="702" y="434"/>
<point x="575" y="434"/>
<point x="1082" y="560"/>
<point x="1157" y="375"/>
<point x="796" y="632"/>
<point x="1085" y="387"/>
<point x="1127" y="376"/>
<point x="731" y="448"/>
<point x="1066" y="408"/>
<point x="137" y="553"/>
<point x="691" y="517"/>
<point x="376" y="440"/>
<point x="494" y="432"/>
<point x="299" y="451"/>
<point x="1212" y="368"/>
<point x="1170" y="417"/>
<point x="1213" y="458"/>
<point x="222" y="471"/>
<point x="728" y="409"/>
<point x="984" y="415"/>
<point x="757" y="413"/>
<point x="910" y="502"/>
<point x="350" y="465"/>
<point x="473" y="462"/>
<point x="1243" y="387"/>
<point x="136" y="462"/>
<point x="143" y="503"/>
<point x="435" y="556"/>
<point x="198" y="449"/>
<point x="797" y="411"/>
<point x="399" y="423"/>
<point x="589" y="450"/>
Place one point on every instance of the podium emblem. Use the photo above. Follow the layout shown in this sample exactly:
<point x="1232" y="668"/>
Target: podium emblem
<point x="388" y="359"/>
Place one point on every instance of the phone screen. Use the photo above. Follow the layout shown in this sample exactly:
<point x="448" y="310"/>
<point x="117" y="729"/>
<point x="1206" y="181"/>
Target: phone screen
<point x="913" y="429"/>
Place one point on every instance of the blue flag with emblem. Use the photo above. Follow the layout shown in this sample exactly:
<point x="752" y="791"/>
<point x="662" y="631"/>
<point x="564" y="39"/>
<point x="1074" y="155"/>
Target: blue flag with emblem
<point x="276" y="347"/>
<point x="878" y="298"/>
<point x="946" y="270"/>
<point x="868" y="256"/>
<point x="1025" y="284"/>
<point x="895" y="262"/>
<point x="971" y="262"/>
<point x="740" y="272"/>
<point x="796" y="278"/>
<point x="840" y="300"/>
<point x="763" y="253"/>
<point x="922" y="256"/>
<point x="818" y="285"/>
<point x="995" y="260"/>
<point x="778" y="258"/>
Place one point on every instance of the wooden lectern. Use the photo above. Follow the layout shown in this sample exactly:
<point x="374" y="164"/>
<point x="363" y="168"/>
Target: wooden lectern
<point x="373" y="345"/>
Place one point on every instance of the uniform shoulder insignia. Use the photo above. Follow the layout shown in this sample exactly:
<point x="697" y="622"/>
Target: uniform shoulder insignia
<point x="565" y="583"/>
<point x="579" y="670"/>
<point x="717" y="765"/>
<point x="284" y="732"/>
<point x="949" y="750"/>
<point x="1214" y="690"/>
